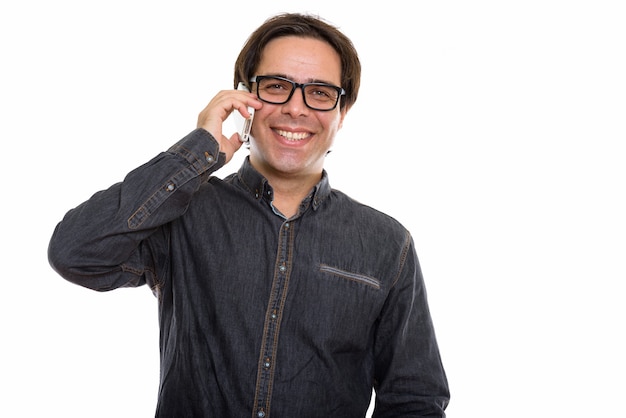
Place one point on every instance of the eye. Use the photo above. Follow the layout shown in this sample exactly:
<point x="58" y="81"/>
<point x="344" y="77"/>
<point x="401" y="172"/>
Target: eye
<point x="276" y="86"/>
<point x="321" y="93"/>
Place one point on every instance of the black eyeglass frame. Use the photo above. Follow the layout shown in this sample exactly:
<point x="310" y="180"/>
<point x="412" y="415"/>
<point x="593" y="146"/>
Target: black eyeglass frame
<point x="257" y="78"/>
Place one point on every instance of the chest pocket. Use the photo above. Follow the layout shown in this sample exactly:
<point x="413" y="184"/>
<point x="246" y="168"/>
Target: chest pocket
<point x="348" y="275"/>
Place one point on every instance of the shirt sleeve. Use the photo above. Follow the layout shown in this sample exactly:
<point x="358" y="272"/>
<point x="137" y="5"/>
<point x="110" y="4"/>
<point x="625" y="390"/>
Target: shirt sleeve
<point x="101" y="244"/>
<point x="410" y="380"/>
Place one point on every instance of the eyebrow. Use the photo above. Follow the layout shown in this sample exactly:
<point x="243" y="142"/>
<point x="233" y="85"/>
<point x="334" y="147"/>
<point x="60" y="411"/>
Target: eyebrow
<point x="310" y="80"/>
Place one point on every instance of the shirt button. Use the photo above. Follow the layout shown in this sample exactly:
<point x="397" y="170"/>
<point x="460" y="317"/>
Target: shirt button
<point x="267" y="363"/>
<point x="282" y="268"/>
<point x="209" y="157"/>
<point x="260" y="414"/>
<point x="170" y="187"/>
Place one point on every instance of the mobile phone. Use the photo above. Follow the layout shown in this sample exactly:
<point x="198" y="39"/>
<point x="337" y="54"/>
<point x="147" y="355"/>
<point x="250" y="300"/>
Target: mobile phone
<point x="244" y="125"/>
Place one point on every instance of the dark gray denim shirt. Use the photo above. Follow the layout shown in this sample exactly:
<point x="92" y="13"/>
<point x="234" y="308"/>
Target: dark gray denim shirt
<point x="261" y="316"/>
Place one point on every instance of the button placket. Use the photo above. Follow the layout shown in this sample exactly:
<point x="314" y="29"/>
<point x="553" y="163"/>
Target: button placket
<point x="273" y="318"/>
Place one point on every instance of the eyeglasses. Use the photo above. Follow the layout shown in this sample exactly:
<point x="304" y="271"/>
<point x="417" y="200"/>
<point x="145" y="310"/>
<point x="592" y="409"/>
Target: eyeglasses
<point x="278" y="90"/>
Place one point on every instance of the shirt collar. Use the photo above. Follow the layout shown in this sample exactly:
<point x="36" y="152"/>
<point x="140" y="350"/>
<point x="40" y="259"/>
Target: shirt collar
<point x="260" y="188"/>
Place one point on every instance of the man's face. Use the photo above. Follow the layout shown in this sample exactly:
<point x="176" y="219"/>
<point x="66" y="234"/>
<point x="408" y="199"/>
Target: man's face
<point x="290" y="139"/>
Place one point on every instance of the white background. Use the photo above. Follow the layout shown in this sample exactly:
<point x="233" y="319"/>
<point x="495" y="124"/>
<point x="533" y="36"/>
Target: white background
<point x="493" y="130"/>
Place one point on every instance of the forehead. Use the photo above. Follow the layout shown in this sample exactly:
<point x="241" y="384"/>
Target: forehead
<point x="301" y="59"/>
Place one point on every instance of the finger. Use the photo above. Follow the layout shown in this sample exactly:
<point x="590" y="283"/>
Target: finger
<point x="229" y="146"/>
<point x="235" y="139"/>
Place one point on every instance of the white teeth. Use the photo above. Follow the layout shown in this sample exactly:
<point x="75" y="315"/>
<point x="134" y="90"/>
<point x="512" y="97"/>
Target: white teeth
<point x="292" y="136"/>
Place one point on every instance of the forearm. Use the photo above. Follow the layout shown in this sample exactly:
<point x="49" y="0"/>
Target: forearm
<point x="98" y="243"/>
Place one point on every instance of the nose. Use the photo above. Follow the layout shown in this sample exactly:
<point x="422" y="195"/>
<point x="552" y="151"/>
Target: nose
<point x="295" y="106"/>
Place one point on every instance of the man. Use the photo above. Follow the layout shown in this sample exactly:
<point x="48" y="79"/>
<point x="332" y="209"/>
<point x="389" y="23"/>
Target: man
<point x="278" y="296"/>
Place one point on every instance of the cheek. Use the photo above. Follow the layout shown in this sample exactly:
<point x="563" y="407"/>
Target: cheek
<point x="339" y="122"/>
<point x="334" y="124"/>
<point x="260" y="117"/>
<point x="266" y="114"/>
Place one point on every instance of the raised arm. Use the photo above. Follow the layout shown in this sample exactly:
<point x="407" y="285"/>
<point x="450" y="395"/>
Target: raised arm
<point x="99" y="243"/>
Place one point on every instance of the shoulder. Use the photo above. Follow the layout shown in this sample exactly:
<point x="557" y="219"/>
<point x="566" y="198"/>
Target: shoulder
<point x="365" y="217"/>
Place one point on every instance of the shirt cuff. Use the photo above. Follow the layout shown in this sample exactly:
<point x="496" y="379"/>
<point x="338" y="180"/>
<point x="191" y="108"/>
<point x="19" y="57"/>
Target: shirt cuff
<point x="201" y="150"/>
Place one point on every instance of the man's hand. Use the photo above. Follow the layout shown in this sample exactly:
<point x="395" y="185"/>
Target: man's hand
<point x="219" y="108"/>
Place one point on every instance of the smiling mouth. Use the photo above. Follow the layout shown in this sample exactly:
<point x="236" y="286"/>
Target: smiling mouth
<point x="293" y="136"/>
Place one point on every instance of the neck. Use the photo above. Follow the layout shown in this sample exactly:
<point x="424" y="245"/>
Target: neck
<point x="289" y="192"/>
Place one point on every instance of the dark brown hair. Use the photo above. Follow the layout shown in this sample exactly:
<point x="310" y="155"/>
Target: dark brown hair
<point x="308" y="26"/>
